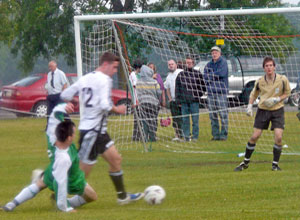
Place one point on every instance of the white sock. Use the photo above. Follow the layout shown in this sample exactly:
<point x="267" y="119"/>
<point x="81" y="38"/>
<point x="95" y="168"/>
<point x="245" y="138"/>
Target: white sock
<point x="27" y="193"/>
<point x="76" y="201"/>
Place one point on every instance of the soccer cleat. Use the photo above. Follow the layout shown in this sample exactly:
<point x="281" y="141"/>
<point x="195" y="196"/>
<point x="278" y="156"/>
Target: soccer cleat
<point x="9" y="207"/>
<point x="241" y="167"/>
<point x="223" y="138"/>
<point x="130" y="198"/>
<point x="175" y="139"/>
<point x="275" y="168"/>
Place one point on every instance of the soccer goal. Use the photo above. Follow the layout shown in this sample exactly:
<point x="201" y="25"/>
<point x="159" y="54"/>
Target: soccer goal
<point x="245" y="37"/>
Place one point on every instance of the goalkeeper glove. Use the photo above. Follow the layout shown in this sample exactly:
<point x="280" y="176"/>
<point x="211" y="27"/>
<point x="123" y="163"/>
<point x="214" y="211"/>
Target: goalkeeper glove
<point x="249" y="110"/>
<point x="270" y="102"/>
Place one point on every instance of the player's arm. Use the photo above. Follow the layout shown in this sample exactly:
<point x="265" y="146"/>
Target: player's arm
<point x="60" y="173"/>
<point x="65" y="86"/>
<point x="286" y="89"/>
<point x="253" y="96"/>
<point x="62" y="112"/>
<point x="70" y="92"/>
<point x="120" y="109"/>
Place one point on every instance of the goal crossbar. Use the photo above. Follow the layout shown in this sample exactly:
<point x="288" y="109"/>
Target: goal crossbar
<point x="217" y="12"/>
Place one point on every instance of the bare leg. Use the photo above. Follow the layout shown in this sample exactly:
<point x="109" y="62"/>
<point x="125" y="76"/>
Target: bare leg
<point x="86" y="168"/>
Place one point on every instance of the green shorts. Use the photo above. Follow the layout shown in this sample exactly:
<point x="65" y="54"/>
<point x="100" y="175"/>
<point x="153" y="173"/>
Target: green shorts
<point x="76" y="181"/>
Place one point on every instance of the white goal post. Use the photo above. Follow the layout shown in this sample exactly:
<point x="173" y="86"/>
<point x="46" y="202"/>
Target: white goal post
<point x="78" y="19"/>
<point x="245" y="42"/>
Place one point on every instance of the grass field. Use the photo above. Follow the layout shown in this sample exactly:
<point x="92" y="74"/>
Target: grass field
<point x="198" y="186"/>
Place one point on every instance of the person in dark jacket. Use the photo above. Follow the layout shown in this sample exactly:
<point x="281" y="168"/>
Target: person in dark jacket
<point x="216" y="79"/>
<point x="189" y="88"/>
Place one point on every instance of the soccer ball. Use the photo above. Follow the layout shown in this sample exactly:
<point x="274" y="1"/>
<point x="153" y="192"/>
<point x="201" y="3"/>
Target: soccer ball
<point x="154" y="195"/>
<point x="36" y="174"/>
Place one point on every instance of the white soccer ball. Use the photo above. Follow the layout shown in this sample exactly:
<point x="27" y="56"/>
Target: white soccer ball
<point x="154" y="195"/>
<point x="36" y="174"/>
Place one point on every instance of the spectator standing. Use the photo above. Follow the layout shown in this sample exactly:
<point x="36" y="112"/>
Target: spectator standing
<point x="216" y="79"/>
<point x="56" y="83"/>
<point x="133" y="77"/>
<point x="174" y="107"/>
<point x="272" y="89"/>
<point x="189" y="88"/>
<point x="148" y="92"/>
<point x="158" y="78"/>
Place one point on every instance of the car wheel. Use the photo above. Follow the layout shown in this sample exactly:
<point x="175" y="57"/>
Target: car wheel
<point x="40" y="109"/>
<point x="126" y="102"/>
<point x="294" y="98"/>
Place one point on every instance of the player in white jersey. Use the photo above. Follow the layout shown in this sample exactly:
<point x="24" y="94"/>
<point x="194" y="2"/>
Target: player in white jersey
<point x="94" y="90"/>
<point x="62" y="176"/>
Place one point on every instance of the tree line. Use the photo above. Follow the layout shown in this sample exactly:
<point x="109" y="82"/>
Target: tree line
<point x="34" y="29"/>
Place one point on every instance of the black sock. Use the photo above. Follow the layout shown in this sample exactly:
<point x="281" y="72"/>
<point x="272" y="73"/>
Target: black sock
<point x="117" y="178"/>
<point x="249" y="150"/>
<point x="276" y="153"/>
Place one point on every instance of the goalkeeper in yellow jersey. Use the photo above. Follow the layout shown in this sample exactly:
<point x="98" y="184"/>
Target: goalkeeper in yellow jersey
<point x="272" y="89"/>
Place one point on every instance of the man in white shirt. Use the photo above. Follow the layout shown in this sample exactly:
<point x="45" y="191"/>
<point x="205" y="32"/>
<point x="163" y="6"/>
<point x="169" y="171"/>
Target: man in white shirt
<point x="133" y="78"/>
<point x="94" y="90"/>
<point x="56" y="83"/>
<point x="174" y="107"/>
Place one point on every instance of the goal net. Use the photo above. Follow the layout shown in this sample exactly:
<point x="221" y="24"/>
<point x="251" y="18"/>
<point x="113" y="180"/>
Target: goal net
<point x="245" y="38"/>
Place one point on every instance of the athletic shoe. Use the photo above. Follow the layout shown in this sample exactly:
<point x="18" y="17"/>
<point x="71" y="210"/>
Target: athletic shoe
<point x="130" y="198"/>
<point x="187" y="139"/>
<point x="241" y="167"/>
<point x="215" y="139"/>
<point x="175" y="139"/>
<point x="9" y="207"/>
<point x="275" y="168"/>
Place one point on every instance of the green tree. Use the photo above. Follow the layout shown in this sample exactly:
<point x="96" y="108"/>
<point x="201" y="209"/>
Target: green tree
<point x="271" y="25"/>
<point x="43" y="28"/>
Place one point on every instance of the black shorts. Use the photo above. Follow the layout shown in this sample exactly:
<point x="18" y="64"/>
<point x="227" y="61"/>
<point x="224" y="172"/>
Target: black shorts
<point x="91" y="144"/>
<point x="264" y="117"/>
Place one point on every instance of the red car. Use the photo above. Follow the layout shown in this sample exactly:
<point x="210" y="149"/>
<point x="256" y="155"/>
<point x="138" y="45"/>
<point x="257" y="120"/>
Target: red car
<point x="29" y="95"/>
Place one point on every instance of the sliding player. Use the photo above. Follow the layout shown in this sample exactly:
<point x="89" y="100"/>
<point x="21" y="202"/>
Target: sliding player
<point x="62" y="176"/>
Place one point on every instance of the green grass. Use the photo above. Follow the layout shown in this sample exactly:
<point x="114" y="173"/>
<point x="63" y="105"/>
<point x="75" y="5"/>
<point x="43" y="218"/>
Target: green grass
<point x="198" y="186"/>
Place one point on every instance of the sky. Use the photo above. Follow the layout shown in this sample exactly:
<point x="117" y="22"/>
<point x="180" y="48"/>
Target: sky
<point x="290" y="1"/>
